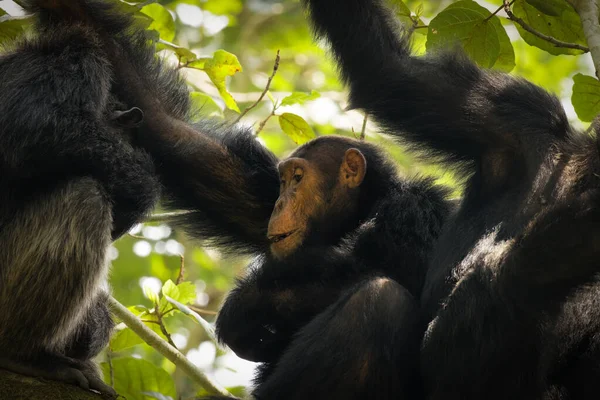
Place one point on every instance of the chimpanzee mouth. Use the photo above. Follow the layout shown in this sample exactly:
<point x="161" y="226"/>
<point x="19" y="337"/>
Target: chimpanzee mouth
<point x="281" y="236"/>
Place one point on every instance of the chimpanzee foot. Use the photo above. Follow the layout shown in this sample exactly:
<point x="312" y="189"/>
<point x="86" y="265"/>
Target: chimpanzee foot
<point x="79" y="373"/>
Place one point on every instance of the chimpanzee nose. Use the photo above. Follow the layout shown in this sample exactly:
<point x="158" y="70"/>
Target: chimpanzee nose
<point x="278" y="206"/>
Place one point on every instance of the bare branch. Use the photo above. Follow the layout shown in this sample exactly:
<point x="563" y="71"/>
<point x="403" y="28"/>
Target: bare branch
<point x="264" y="121"/>
<point x="264" y="92"/>
<point x="364" y="127"/>
<point x="181" y="277"/>
<point x="169" y="352"/>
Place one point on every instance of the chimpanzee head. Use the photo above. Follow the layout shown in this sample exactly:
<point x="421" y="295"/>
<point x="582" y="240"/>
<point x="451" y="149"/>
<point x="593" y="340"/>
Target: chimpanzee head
<point x="322" y="192"/>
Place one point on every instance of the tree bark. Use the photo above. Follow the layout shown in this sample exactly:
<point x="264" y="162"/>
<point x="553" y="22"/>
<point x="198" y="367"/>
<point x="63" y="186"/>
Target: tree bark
<point x="20" y="387"/>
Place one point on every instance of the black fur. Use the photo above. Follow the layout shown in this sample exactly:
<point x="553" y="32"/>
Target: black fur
<point x="512" y="289"/>
<point x="342" y="321"/>
<point x="306" y="303"/>
<point x="373" y="267"/>
<point x="70" y="181"/>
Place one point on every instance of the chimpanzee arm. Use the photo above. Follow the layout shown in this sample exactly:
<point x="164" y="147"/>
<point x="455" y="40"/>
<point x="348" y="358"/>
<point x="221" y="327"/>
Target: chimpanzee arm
<point x="220" y="172"/>
<point x="365" y="345"/>
<point x="443" y="104"/>
<point x="277" y="298"/>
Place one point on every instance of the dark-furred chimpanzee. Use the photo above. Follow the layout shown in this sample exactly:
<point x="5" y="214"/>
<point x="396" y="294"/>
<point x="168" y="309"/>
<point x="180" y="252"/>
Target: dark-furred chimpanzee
<point x="329" y="304"/>
<point x="512" y="291"/>
<point x="70" y="182"/>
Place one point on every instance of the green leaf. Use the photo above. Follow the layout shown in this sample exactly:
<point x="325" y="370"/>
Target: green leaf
<point x="223" y="7"/>
<point x="184" y="293"/>
<point x="565" y="27"/>
<point x="124" y="339"/>
<point x="404" y="15"/>
<point x="208" y="328"/>
<point x="162" y="21"/>
<point x="133" y="377"/>
<point x="150" y="293"/>
<point x="11" y="28"/>
<point x="157" y="396"/>
<point x="296" y="128"/>
<point x="506" y="57"/>
<point x="473" y="26"/>
<point x="586" y="97"/>
<point x="185" y="55"/>
<point x="550" y="7"/>
<point x="220" y="66"/>
<point x="299" y="98"/>
<point x="205" y="104"/>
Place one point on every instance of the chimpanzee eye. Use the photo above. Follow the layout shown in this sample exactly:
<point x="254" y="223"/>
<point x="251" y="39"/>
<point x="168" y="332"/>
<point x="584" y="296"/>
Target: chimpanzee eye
<point x="298" y="174"/>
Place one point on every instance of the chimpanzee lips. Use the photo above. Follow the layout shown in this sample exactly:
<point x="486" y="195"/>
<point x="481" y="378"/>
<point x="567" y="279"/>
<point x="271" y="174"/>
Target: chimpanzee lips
<point x="281" y="236"/>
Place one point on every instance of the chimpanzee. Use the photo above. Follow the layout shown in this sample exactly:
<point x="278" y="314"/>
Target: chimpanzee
<point x="512" y="291"/>
<point x="329" y="304"/>
<point x="70" y="182"/>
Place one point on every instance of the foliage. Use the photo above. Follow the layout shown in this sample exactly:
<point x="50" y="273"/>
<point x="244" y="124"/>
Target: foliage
<point x="302" y="100"/>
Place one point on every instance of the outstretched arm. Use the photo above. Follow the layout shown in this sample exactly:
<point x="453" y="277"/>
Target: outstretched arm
<point x="275" y="299"/>
<point x="443" y="103"/>
<point x="221" y="173"/>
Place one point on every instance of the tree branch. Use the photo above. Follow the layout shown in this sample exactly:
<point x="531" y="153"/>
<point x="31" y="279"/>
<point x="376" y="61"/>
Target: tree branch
<point x="554" y="41"/>
<point x="264" y="92"/>
<point x="363" y="131"/>
<point x="588" y="13"/>
<point x="165" y="349"/>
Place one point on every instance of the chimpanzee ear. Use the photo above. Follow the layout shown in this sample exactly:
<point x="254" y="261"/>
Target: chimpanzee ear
<point x="128" y="118"/>
<point x="353" y="169"/>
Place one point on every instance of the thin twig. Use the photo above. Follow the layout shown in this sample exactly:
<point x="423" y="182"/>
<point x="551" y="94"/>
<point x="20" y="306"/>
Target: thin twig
<point x="264" y="92"/>
<point x="364" y="127"/>
<point x="180" y="277"/>
<point x="161" y="324"/>
<point x="166" y="217"/>
<point x="264" y="121"/>
<point x="524" y="25"/>
<point x="496" y="12"/>
<point x="169" y="352"/>
<point x="111" y="369"/>
<point x="163" y="329"/>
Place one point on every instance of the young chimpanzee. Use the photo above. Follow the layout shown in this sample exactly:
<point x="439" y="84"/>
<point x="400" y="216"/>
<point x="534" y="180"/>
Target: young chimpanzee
<point x="512" y="291"/>
<point x="70" y="182"/>
<point x="329" y="304"/>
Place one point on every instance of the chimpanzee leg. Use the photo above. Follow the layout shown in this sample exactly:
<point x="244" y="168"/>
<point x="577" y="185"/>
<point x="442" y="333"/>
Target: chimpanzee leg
<point x="366" y="345"/>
